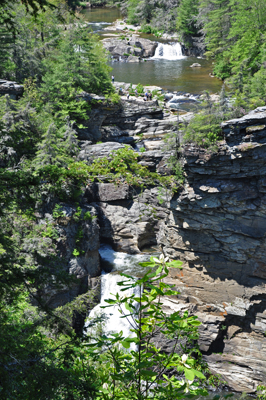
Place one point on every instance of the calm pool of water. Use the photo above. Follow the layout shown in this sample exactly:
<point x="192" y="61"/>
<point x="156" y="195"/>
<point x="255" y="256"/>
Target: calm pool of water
<point x="102" y="14"/>
<point x="168" y="74"/>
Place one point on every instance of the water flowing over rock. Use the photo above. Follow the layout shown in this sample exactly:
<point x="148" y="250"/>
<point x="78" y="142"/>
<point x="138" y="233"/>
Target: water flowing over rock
<point x="133" y="49"/>
<point x="216" y="225"/>
<point x="169" y="51"/>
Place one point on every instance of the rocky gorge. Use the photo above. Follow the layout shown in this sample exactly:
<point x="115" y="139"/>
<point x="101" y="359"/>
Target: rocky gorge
<point x="215" y="224"/>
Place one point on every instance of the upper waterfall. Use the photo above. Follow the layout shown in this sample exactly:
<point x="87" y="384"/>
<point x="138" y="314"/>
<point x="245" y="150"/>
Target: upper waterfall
<point x="169" y="51"/>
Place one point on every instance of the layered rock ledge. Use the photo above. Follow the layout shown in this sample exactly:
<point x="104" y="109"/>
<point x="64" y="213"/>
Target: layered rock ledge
<point x="216" y="225"/>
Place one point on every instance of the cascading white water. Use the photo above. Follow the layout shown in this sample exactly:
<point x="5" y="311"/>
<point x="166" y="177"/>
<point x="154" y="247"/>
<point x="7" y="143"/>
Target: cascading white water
<point x="168" y="52"/>
<point x="97" y="26"/>
<point x="121" y="262"/>
<point x="112" y="321"/>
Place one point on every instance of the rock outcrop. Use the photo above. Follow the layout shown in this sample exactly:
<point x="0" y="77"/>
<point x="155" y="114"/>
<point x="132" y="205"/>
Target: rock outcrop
<point x="13" y="89"/>
<point x="132" y="48"/>
<point x="216" y="225"/>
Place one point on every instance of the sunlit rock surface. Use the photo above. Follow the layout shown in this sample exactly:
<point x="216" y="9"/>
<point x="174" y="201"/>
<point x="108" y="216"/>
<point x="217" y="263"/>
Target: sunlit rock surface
<point x="216" y="225"/>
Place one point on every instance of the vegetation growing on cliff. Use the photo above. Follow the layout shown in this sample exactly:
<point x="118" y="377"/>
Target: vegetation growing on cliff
<point x="135" y="368"/>
<point x="57" y="61"/>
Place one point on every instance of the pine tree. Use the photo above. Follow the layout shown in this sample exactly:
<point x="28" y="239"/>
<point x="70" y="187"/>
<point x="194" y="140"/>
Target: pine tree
<point x="187" y="17"/>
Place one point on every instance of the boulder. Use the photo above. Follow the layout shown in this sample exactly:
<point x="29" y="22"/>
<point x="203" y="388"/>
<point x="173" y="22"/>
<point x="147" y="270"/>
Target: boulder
<point x="13" y="89"/>
<point x="195" y="65"/>
<point x="133" y="46"/>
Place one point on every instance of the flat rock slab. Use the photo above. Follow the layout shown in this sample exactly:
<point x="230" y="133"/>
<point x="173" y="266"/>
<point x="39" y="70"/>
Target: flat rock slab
<point x="104" y="192"/>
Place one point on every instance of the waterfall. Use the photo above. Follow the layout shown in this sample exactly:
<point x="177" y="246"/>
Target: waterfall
<point x="120" y="262"/>
<point x="168" y="52"/>
<point x="112" y="321"/>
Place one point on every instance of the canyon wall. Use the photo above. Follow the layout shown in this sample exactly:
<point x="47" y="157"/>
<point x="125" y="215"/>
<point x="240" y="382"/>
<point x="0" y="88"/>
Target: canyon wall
<point x="215" y="224"/>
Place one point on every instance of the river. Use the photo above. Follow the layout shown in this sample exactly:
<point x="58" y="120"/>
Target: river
<point x="172" y="75"/>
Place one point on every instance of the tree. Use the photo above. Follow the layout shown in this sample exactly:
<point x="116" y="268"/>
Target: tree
<point x="187" y="17"/>
<point x="58" y="147"/>
<point x="32" y="6"/>
<point x="77" y="65"/>
<point x="146" y="372"/>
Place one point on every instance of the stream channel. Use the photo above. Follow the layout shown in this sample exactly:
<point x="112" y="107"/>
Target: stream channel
<point x="170" y="70"/>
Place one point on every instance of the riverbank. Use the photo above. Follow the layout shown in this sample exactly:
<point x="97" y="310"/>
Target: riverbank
<point x="122" y="26"/>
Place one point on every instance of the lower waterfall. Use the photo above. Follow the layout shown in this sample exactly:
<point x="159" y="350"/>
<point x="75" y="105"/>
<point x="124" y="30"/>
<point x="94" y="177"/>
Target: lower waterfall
<point x="168" y="51"/>
<point x="120" y="262"/>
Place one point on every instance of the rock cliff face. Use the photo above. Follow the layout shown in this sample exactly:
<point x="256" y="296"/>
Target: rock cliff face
<point x="216" y="224"/>
<point x="84" y="264"/>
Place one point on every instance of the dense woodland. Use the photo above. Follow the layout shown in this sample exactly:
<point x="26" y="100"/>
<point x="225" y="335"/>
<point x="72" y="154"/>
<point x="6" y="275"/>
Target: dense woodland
<point x="47" y="48"/>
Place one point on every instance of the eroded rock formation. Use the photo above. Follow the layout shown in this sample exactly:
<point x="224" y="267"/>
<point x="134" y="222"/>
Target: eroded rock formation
<point x="132" y="48"/>
<point x="216" y="225"/>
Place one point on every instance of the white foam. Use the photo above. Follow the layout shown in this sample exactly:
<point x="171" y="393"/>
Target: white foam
<point x="168" y="52"/>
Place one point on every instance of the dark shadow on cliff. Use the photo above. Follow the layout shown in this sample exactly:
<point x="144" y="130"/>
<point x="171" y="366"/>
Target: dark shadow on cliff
<point x="208" y="237"/>
<point x="235" y="324"/>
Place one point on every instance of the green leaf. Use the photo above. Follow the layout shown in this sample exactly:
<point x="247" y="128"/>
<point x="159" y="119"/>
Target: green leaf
<point x="148" y="373"/>
<point x="174" y="264"/>
<point x="159" y="270"/>
<point x="125" y="344"/>
<point x="189" y="374"/>
<point x="146" y="264"/>
<point x="199" y="374"/>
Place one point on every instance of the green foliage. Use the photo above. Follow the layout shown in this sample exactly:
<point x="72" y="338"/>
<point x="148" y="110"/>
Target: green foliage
<point x="88" y="216"/>
<point x="50" y="232"/>
<point x="121" y="166"/>
<point x="222" y="69"/>
<point x="76" y="252"/>
<point x="204" y="129"/>
<point x="142" y="372"/>
<point x="140" y="88"/>
<point x="19" y="131"/>
<point x="77" y="214"/>
<point x="132" y="18"/>
<point x="158" y="95"/>
<point x="159" y="15"/>
<point x="187" y="17"/>
<point x="67" y="74"/>
<point x="37" y="362"/>
<point x="58" y="146"/>
<point x="57" y="212"/>
<point x="177" y="169"/>
<point x="261" y="392"/>
<point x="152" y="30"/>
<point x="234" y="32"/>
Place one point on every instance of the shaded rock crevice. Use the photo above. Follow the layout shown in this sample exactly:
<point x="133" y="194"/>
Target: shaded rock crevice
<point x="216" y="225"/>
